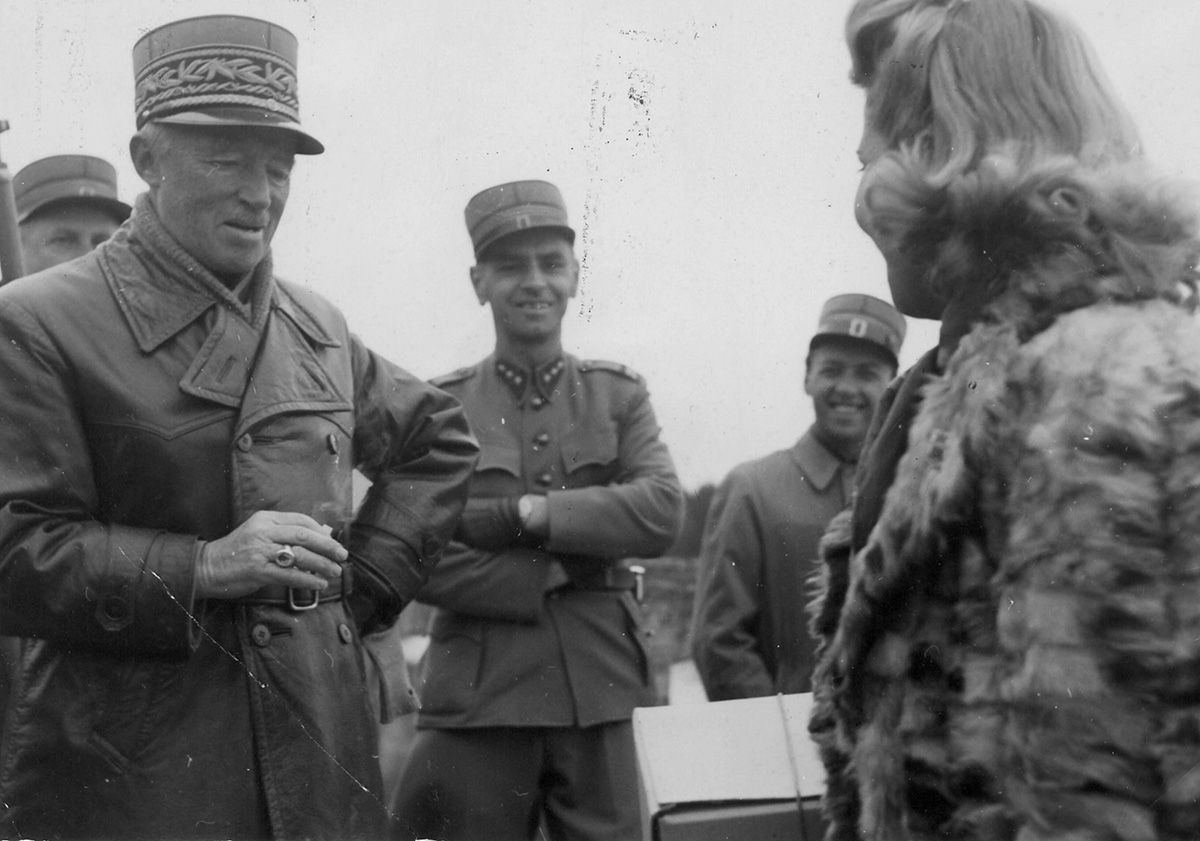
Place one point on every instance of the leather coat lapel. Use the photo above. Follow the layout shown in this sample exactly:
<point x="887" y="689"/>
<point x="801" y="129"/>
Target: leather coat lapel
<point x="221" y="369"/>
<point x="288" y="375"/>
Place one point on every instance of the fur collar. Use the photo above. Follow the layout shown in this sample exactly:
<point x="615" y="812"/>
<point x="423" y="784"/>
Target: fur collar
<point x="1022" y="242"/>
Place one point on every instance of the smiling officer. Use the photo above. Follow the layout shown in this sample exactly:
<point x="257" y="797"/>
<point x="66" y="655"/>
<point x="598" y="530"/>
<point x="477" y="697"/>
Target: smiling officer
<point x="537" y="656"/>
<point x="750" y="629"/>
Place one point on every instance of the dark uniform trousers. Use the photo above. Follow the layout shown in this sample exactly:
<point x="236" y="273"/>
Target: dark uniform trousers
<point x="537" y="655"/>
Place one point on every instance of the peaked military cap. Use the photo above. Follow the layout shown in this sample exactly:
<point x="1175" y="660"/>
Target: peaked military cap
<point x="516" y="206"/>
<point x="220" y="70"/>
<point x="863" y="317"/>
<point x="68" y="178"/>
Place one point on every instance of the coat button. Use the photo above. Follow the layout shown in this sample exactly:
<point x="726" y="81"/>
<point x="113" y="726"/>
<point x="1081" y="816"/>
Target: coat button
<point x="245" y="443"/>
<point x="432" y="547"/>
<point x="332" y="440"/>
<point x="115" y="608"/>
<point x="114" y="613"/>
<point x="538" y="402"/>
<point x="345" y="633"/>
<point x="541" y="439"/>
<point x="544" y="480"/>
<point x="261" y="635"/>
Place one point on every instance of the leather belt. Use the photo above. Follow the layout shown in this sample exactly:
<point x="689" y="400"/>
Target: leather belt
<point x="608" y="578"/>
<point x="299" y="600"/>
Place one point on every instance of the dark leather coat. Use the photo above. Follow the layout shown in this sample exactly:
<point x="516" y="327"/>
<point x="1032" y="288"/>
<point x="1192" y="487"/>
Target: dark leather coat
<point x="146" y="409"/>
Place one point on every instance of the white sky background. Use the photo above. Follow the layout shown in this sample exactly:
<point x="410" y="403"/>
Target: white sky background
<point x="705" y="150"/>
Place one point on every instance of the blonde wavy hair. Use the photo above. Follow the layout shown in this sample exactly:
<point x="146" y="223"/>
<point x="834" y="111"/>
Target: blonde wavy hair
<point x="956" y="79"/>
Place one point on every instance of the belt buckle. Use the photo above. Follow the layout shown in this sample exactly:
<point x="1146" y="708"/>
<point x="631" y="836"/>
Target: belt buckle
<point x="291" y="600"/>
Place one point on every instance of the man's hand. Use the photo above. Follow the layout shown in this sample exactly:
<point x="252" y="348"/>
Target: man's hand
<point x="244" y="560"/>
<point x="535" y="518"/>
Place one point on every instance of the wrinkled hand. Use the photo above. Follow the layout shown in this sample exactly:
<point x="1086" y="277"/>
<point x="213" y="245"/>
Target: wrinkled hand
<point x="244" y="560"/>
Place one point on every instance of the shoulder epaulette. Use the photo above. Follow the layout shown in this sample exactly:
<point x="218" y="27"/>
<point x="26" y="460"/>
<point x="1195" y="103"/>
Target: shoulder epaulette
<point x="588" y="365"/>
<point x="453" y="377"/>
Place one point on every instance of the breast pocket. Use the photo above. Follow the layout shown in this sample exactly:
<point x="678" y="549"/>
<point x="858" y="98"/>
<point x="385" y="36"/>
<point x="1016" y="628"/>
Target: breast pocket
<point x="498" y="471"/>
<point x="300" y="462"/>
<point x="590" y="456"/>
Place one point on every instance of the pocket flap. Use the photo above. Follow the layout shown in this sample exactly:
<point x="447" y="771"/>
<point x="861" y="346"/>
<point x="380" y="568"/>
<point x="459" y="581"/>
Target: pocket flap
<point x="585" y="446"/>
<point x="499" y="458"/>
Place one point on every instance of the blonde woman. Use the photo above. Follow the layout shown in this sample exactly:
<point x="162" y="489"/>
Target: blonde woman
<point x="1011" y="616"/>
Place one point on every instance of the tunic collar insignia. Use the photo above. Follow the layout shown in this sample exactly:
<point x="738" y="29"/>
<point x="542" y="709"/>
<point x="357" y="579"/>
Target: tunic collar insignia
<point x="542" y="379"/>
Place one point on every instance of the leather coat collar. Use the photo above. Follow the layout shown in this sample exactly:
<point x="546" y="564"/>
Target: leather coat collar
<point x="161" y="289"/>
<point x="249" y="360"/>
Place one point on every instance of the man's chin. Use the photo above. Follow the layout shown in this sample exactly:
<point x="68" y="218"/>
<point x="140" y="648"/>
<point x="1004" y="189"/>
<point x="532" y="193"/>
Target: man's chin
<point x="846" y="434"/>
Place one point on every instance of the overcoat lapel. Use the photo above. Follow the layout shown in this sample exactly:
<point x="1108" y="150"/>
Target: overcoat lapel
<point x="221" y="368"/>
<point x="287" y="375"/>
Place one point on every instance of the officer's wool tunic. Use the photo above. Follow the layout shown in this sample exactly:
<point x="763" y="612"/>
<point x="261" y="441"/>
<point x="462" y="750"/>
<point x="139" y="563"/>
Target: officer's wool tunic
<point x="513" y="642"/>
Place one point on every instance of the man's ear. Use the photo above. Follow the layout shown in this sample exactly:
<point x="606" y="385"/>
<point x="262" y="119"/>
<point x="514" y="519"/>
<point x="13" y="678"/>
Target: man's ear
<point x="574" y="276"/>
<point x="477" y="282"/>
<point x="148" y="167"/>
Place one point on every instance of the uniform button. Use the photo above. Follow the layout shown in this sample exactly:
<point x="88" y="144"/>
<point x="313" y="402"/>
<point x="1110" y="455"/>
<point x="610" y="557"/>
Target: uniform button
<point x="545" y="479"/>
<point x="332" y="440"/>
<point x="245" y="443"/>
<point x="345" y="633"/>
<point x="261" y="635"/>
<point x="432" y="547"/>
<point x="115" y="607"/>
<point x="538" y="402"/>
<point x="541" y="439"/>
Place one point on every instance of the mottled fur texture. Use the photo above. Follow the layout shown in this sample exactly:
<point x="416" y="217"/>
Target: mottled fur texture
<point x="1015" y="653"/>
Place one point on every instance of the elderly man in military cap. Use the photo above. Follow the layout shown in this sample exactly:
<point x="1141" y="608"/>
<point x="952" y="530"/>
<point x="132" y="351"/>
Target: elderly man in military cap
<point x="750" y="632"/>
<point x="66" y="206"/>
<point x="537" y="656"/>
<point x="178" y="548"/>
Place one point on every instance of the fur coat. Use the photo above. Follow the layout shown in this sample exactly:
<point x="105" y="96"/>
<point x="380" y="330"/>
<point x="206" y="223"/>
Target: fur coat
<point x="1015" y="651"/>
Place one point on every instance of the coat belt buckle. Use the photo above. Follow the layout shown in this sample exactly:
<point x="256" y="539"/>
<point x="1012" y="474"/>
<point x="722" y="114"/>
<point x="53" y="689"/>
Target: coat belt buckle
<point x="302" y="606"/>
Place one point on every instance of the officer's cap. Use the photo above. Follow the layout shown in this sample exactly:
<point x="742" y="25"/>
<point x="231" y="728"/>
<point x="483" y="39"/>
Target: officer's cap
<point x="862" y="317"/>
<point x="68" y="178"/>
<point x="507" y="208"/>
<point x="220" y="70"/>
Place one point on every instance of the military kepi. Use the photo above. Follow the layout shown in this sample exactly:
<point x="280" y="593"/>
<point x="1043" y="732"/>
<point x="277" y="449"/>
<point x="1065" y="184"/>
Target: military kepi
<point x="220" y="70"/>
<point x="864" y="317"/>
<point x="68" y="178"/>
<point x="507" y="208"/>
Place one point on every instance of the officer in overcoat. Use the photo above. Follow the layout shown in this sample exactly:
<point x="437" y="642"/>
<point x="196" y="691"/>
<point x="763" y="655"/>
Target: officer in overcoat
<point x="538" y="650"/>
<point x="750" y="633"/>
<point x="178" y="545"/>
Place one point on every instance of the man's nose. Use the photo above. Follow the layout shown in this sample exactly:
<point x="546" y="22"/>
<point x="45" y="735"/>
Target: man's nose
<point x="845" y="384"/>
<point x="255" y="188"/>
<point x="533" y="276"/>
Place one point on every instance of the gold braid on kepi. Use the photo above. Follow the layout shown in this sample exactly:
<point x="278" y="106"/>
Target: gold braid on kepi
<point x="220" y="70"/>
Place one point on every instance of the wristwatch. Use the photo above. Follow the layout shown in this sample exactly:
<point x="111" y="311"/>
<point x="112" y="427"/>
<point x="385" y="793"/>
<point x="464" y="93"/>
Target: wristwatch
<point x="525" y="510"/>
